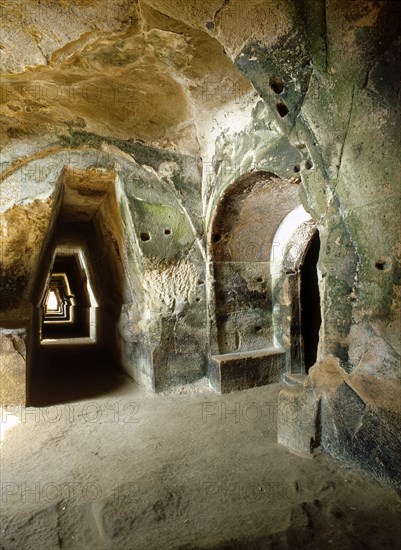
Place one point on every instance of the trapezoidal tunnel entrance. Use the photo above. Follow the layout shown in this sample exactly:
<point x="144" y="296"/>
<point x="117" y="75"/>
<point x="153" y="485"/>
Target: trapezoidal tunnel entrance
<point x="78" y="294"/>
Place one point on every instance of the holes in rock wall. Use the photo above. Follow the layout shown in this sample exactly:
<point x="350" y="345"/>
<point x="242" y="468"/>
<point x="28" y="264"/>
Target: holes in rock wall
<point x="297" y="168"/>
<point x="282" y="109"/>
<point x="383" y="264"/>
<point x="308" y="164"/>
<point x="277" y="85"/>
<point x="216" y="237"/>
<point x="12" y="132"/>
<point x="145" y="236"/>
<point x="201" y="282"/>
<point x="167" y="231"/>
<point x="258" y="329"/>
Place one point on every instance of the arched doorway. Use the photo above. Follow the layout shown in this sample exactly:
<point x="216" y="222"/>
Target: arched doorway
<point x="310" y="303"/>
<point x="295" y="289"/>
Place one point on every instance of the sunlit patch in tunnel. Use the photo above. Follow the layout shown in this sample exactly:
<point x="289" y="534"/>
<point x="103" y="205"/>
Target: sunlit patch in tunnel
<point x="53" y="303"/>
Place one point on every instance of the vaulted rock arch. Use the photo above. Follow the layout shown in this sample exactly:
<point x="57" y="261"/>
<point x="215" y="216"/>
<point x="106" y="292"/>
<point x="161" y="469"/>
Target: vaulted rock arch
<point x="249" y="249"/>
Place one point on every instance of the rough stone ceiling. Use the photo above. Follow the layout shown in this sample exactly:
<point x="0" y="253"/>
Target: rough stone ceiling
<point x="146" y="71"/>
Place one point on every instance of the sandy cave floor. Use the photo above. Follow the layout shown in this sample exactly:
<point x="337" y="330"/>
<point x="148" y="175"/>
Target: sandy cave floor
<point x="131" y="470"/>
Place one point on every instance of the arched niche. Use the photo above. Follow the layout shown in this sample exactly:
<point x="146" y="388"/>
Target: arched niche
<point x="241" y="241"/>
<point x="244" y="350"/>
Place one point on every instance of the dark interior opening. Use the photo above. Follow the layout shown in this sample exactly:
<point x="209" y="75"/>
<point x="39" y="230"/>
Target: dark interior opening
<point x="310" y="303"/>
<point x="276" y="84"/>
<point x="68" y="372"/>
<point x="282" y="109"/>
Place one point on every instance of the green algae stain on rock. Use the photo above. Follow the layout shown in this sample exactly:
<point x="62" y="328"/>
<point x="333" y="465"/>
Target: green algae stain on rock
<point x="163" y="232"/>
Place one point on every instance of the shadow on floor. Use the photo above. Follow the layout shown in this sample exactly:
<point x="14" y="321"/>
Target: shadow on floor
<point x="66" y="373"/>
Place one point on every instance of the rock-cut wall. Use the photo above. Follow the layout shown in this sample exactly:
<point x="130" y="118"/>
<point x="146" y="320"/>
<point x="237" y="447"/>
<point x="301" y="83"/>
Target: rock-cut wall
<point x="174" y="103"/>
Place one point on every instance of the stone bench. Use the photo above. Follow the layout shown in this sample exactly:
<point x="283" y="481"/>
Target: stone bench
<point x="246" y="369"/>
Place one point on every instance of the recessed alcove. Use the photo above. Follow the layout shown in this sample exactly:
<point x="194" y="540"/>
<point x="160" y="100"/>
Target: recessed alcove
<point x="262" y="294"/>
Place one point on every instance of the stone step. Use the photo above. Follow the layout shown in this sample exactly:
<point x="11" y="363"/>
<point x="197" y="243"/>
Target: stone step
<point x="247" y="369"/>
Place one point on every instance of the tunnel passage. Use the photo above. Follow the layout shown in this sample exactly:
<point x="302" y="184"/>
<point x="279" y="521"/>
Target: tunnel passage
<point x="310" y="303"/>
<point x="76" y="349"/>
<point x="66" y="305"/>
<point x="76" y="354"/>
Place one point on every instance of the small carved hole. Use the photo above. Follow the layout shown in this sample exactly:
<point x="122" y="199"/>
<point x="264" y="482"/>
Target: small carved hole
<point x="167" y="231"/>
<point x="282" y="109"/>
<point x="276" y="84"/>
<point x="258" y="329"/>
<point x="145" y="236"/>
<point x="383" y="264"/>
<point x="216" y="237"/>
